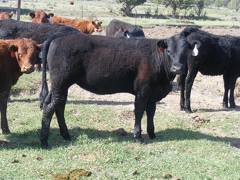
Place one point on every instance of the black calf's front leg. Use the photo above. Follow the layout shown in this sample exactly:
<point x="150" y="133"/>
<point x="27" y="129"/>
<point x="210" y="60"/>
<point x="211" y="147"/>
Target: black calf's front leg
<point x="226" y="89"/>
<point x="182" y="87"/>
<point x="150" y="109"/>
<point x="188" y="87"/>
<point x="3" y="108"/>
<point x="231" y="97"/>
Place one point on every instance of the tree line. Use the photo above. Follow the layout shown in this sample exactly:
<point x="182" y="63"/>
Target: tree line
<point x="190" y="7"/>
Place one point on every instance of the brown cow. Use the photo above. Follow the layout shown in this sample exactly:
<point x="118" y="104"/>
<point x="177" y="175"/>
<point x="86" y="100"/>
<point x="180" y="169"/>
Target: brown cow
<point x="16" y="57"/>
<point x="39" y="17"/>
<point x="85" y="26"/>
<point x="5" y="15"/>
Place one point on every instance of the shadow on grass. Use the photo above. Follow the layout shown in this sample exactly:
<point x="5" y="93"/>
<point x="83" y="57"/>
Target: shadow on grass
<point x="84" y="102"/>
<point x="237" y="108"/>
<point x="30" y="139"/>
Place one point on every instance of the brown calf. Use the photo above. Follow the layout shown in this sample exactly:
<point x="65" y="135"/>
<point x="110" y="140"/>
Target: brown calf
<point x="39" y="17"/>
<point x="5" y="15"/>
<point x="85" y="26"/>
<point x="16" y="57"/>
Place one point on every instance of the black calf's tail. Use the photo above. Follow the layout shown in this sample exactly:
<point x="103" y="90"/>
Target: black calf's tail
<point x="44" y="87"/>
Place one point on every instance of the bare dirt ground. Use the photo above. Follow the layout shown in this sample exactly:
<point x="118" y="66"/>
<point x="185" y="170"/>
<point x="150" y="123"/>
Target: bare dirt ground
<point x="207" y="92"/>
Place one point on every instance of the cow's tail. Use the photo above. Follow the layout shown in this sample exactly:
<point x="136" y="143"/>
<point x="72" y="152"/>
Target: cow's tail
<point x="44" y="86"/>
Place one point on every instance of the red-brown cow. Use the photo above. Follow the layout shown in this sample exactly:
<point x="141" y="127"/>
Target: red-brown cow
<point x="39" y="17"/>
<point x="16" y="57"/>
<point x="5" y="15"/>
<point x="85" y="26"/>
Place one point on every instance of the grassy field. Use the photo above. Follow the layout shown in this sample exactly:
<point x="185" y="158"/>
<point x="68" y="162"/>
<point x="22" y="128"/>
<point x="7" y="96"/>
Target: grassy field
<point x="183" y="149"/>
<point x="204" y="145"/>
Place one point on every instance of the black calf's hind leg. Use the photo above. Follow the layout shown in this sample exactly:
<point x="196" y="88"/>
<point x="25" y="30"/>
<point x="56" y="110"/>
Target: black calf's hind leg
<point x="150" y="109"/>
<point x="3" y="108"/>
<point x="60" y="117"/>
<point x="48" y="110"/>
<point x="226" y="89"/>
<point x="231" y="97"/>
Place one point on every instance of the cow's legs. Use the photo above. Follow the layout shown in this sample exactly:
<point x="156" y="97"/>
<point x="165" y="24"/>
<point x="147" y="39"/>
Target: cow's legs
<point x="226" y="89"/>
<point x="182" y="86"/>
<point x="48" y="110"/>
<point x="188" y="86"/>
<point x="232" y="87"/>
<point x="141" y="98"/>
<point x="60" y="116"/>
<point x="3" y="108"/>
<point x="150" y="110"/>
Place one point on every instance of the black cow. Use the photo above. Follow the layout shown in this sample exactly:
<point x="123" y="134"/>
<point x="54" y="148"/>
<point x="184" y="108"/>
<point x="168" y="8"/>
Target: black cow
<point x="195" y="50"/>
<point x="12" y="29"/>
<point x="118" y="28"/>
<point x="105" y="65"/>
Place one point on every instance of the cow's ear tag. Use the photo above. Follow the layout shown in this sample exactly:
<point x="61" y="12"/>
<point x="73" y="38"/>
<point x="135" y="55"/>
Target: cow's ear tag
<point x="161" y="50"/>
<point x="195" y="51"/>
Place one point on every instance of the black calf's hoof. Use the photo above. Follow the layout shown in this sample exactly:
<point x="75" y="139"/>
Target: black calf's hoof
<point x="151" y="135"/>
<point x="188" y="110"/>
<point x="138" y="140"/>
<point x="182" y="108"/>
<point x="225" y="105"/>
<point x="232" y="105"/>
<point x="44" y="145"/>
<point x="66" y="137"/>
<point x="6" y="131"/>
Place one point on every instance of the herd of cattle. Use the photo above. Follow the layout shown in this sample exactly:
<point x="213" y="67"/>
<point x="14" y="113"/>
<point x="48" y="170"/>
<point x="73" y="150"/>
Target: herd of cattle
<point x="122" y="61"/>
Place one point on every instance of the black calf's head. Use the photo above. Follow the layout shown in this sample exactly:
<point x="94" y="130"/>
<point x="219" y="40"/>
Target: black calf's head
<point x="136" y="32"/>
<point x="179" y="49"/>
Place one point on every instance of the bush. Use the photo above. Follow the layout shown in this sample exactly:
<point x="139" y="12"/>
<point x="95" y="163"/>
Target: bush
<point x="129" y="5"/>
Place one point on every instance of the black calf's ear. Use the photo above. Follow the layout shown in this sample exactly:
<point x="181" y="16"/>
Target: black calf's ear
<point x="32" y="15"/>
<point x="13" y="48"/>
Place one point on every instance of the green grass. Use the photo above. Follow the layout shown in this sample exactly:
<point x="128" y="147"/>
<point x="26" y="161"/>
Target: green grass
<point x="183" y="148"/>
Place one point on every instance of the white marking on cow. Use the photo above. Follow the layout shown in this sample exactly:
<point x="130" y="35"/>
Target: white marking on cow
<point x="195" y="51"/>
<point x="128" y="36"/>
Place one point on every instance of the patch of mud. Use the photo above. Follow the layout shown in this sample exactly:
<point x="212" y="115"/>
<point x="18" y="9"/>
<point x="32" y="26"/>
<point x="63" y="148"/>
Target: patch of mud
<point x="72" y="175"/>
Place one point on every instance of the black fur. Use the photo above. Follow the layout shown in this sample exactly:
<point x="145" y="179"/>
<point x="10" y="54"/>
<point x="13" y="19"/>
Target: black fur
<point x="218" y="55"/>
<point x="106" y="65"/>
<point x="118" y="28"/>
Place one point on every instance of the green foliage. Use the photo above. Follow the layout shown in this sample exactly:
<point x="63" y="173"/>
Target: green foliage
<point x="198" y="8"/>
<point x="234" y="4"/>
<point x="187" y="5"/>
<point x="128" y="5"/>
